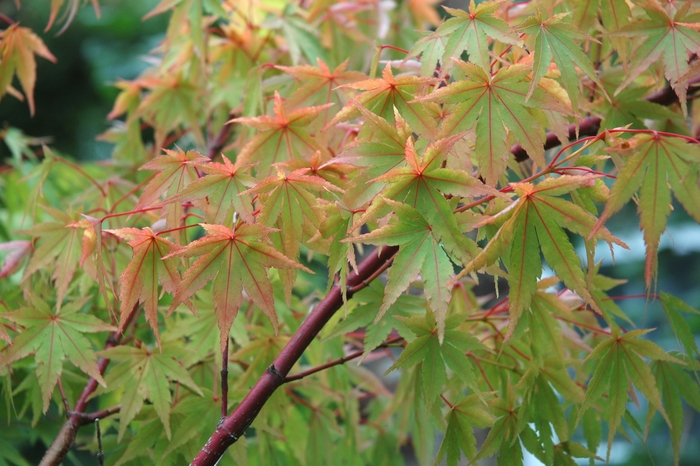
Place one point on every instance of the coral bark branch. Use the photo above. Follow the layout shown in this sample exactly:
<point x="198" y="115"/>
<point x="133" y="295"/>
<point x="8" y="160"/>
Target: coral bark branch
<point x="233" y="427"/>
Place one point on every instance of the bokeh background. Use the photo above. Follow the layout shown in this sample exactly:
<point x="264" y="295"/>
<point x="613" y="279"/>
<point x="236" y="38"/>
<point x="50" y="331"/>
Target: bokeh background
<point x="74" y="96"/>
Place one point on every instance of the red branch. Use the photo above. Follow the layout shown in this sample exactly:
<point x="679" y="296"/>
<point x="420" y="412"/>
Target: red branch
<point x="590" y="126"/>
<point x="233" y="427"/>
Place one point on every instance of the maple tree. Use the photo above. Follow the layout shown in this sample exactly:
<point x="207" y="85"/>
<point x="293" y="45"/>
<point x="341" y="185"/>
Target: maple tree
<point x="326" y="182"/>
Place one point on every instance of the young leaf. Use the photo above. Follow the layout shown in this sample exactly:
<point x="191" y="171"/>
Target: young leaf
<point x="140" y="280"/>
<point x="234" y="259"/>
<point x="383" y="94"/>
<point x="671" y="39"/>
<point x="619" y="360"/>
<point x="652" y="159"/>
<point x="499" y="106"/>
<point x="319" y="85"/>
<point x="423" y="184"/>
<point x="17" y="48"/>
<point x="469" y="30"/>
<point x="221" y="190"/>
<point x="289" y="201"/>
<point x="419" y="252"/>
<point x="59" y="248"/>
<point x="538" y="218"/>
<point x="52" y="336"/>
<point x="554" y="39"/>
<point x="284" y="136"/>
<point x="144" y="375"/>
<point x="461" y="420"/>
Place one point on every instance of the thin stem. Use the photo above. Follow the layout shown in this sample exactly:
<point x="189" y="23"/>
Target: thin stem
<point x="82" y="172"/>
<point x="100" y="453"/>
<point x="224" y="380"/>
<point x="336" y="362"/>
<point x="7" y="19"/>
<point x="101" y="414"/>
<point x="66" y="406"/>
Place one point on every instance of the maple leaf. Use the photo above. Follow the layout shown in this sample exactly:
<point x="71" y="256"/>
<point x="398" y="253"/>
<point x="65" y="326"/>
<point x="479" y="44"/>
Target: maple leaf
<point x="651" y="160"/>
<point x="435" y="351"/>
<point x="68" y="14"/>
<point x="675" y="385"/>
<point x="423" y="184"/>
<point x="139" y="281"/>
<point x="177" y="170"/>
<point x="671" y="39"/>
<point x="499" y="107"/>
<point x="379" y="147"/>
<point x="17" y="48"/>
<point x="419" y="253"/>
<point x="459" y="434"/>
<point x="169" y="104"/>
<point x="320" y="85"/>
<point x="554" y="39"/>
<point x="52" y="336"/>
<point x="381" y="95"/>
<point x="469" y="30"/>
<point x="282" y="137"/>
<point x="60" y="246"/>
<point x="536" y="222"/>
<point x="364" y="315"/>
<point x="234" y="259"/>
<point x="620" y="360"/>
<point x="290" y="201"/>
<point x="18" y="250"/>
<point x="144" y="374"/>
<point x="221" y="190"/>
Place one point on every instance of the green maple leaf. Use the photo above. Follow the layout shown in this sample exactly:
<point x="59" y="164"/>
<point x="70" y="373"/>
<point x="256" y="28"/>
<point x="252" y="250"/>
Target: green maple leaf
<point x="419" y="253"/>
<point x="459" y="435"/>
<point x="52" y="336"/>
<point x="536" y="223"/>
<point x="147" y="270"/>
<point x="435" y="351"/>
<point x="282" y="137"/>
<point x="555" y="39"/>
<point x="219" y="191"/>
<point x="382" y="95"/>
<point x="379" y="147"/>
<point x="234" y="259"/>
<point x="423" y="184"/>
<point x="17" y="48"/>
<point x="169" y="105"/>
<point x="469" y="31"/>
<point x="144" y="374"/>
<point x="176" y="171"/>
<point x="290" y="200"/>
<point x="675" y="385"/>
<point x="670" y="39"/>
<point x="499" y="106"/>
<point x="653" y="164"/>
<point x="364" y="315"/>
<point x="620" y="360"/>
<point x="60" y="247"/>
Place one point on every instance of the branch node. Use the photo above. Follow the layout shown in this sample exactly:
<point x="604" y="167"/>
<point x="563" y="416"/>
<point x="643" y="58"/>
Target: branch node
<point x="273" y="370"/>
<point x="228" y="432"/>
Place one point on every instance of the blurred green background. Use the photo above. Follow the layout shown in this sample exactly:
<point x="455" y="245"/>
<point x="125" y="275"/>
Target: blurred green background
<point x="74" y="96"/>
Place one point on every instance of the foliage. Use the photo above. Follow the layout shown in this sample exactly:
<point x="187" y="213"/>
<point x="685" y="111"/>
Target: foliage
<point x="288" y="161"/>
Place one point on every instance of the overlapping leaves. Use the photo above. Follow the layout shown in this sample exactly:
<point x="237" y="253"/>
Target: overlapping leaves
<point x="234" y="259"/>
<point x="651" y="161"/>
<point x="52" y="336"/>
<point x="500" y="108"/>
<point x="536" y="223"/>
